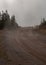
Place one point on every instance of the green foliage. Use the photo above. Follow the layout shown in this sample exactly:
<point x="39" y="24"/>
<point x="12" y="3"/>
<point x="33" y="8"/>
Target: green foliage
<point x="43" y="22"/>
<point x="3" y="19"/>
<point x="6" y="21"/>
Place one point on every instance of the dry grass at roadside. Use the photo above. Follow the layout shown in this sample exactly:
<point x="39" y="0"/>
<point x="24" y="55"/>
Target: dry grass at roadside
<point x="43" y="31"/>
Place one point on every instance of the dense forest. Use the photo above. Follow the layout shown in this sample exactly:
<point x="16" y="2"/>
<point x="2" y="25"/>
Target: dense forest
<point x="6" y="21"/>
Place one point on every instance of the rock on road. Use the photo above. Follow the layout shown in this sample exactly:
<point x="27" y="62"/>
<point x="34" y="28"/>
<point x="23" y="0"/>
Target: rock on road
<point x="24" y="47"/>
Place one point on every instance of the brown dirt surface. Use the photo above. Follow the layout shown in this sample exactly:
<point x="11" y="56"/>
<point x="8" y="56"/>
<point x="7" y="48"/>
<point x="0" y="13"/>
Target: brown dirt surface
<point x="22" y="47"/>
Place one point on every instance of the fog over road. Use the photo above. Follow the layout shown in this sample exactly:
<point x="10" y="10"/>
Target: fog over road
<point x="25" y="47"/>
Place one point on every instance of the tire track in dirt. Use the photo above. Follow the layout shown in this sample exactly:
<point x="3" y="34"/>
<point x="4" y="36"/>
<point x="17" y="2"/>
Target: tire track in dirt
<point x="33" y="51"/>
<point x="18" y="48"/>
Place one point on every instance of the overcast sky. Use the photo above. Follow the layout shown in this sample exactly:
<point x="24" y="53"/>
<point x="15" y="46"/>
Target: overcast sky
<point x="27" y="12"/>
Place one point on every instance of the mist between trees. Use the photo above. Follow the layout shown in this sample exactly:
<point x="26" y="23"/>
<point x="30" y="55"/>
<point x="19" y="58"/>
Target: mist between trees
<point x="6" y="21"/>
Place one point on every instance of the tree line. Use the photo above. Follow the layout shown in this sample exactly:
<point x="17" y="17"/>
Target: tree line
<point x="6" y="21"/>
<point x="43" y="23"/>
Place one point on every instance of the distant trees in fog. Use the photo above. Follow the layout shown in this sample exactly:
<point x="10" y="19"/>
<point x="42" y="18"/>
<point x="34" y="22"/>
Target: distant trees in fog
<point x="6" y="21"/>
<point x="43" y="23"/>
<point x="10" y="22"/>
<point x="13" y="22"/>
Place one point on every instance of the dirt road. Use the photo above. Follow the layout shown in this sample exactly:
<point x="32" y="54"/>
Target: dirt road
<point x="24" y="47"/>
